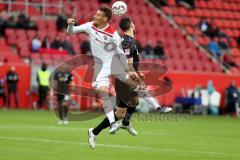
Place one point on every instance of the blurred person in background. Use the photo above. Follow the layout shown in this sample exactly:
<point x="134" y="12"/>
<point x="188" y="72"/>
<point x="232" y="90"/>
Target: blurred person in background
<point x="148" y="50"/>
<point x="22" y="20"/>
<point x="104" y="1"/>
<point x="223" y="44"/>
<point x="62" y="79"/>
<point x="231" y="98"/>
<point x="11" y="22"/>
<point x="12" y="81"/>
<point x="213" y="30"/>
<point x="43" y="76"/>
<point x="159" y="51"/>
<point x="210" y="87"/>
<point x="214" y="49"/>
<point x="238" y="40"/>
<point x="197" y="94"/>
<point x="61" y="23"/>
<point x="204" y="26"/>
<point x="56" y="43"/>
<point x="3" y="92"/>
<point x="46" y="42"/>
<point x="67" y="45"/>
<point x="214" y="99"/>
<point x="139" y="46"/>
<point x="85" y="47"/>
<point x="36" y="43"/>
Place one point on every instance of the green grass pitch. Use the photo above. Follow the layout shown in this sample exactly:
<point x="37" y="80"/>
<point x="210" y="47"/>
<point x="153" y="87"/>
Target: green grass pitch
<point x="35" y="135"/>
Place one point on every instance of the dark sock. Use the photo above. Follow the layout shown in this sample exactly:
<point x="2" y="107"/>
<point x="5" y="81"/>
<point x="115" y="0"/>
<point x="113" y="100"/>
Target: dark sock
<point x="60" y="111"/>
<point x="65" y="110"/>
<point x="130" y="111"/>
<point x="104" y="124"/>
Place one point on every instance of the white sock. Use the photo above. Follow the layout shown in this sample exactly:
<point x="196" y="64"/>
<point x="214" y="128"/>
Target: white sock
<point x="111" y="117"/>
<point x="150" y="99"/>
<point x="108" y="109"/>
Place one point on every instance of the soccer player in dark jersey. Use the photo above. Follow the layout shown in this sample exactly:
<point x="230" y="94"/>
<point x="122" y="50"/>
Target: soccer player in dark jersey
<point x="127" y="98"/>
<point x="62" y="78"/>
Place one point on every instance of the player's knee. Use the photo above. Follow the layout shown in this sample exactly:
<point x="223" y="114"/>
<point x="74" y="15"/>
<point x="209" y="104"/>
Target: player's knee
<point x="120" y="113"/>
<point x="64" y="103"/>
<point x="103" y="91"/>
<point x="133" y="102"/>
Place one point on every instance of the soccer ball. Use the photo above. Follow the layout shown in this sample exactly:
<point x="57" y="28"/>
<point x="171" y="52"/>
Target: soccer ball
<point x="119" y="8"/>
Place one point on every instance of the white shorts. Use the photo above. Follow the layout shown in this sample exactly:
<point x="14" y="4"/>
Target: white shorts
<point x="103" y="71"/>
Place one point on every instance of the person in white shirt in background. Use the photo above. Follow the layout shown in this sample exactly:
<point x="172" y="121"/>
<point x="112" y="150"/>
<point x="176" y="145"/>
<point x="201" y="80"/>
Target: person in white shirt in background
<point x="36" y="44"/>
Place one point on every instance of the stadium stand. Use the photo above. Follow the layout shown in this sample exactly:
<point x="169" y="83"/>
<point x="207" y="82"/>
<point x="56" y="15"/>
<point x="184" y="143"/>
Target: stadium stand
<point x="222" y="14"/>
<point x="181" y="52"/>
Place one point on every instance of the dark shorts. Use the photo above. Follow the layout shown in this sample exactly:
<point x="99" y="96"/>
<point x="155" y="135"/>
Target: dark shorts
<point x="12" y="89"/>
<point x="125" y="96"/>
<point x="2" y="94"/>
<point x="60" y="97"/>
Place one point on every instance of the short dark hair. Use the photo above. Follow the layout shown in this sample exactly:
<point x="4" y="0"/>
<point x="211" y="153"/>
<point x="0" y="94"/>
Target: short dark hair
<point x="125" y="23"/>
<point x="107" y="11"/>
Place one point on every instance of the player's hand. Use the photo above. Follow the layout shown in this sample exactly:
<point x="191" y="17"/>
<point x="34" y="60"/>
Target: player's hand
<point x="141" y="75"/>
<point x="70" y="21"/>
<point x="134" y="76"/>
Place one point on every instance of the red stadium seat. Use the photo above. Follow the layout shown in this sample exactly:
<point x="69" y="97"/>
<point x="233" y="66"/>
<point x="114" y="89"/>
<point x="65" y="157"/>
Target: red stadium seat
<point x="225" y="6"/>
<point x="171" y="2"/>
<point x="31" y="34"/>
<point x="21" y="34"/>
<point x="9" y="31"/>
<point x="41" y="24"/>
<point x="232" y="6"/>
<point x="210" y="5"/>
<point x="201" y="4"/>
<point x="167" y="10"/>
<point x="34" y="11"/>
<point x="12" y="39"/>
<point x="24" y="52"/>
<point x="189" y="30"/>
<point x="236" y="15"/>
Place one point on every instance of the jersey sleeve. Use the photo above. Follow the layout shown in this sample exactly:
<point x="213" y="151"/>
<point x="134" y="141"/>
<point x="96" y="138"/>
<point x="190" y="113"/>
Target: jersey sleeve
<point x="120" y="52"/>
<point x="81" y="28"/>
<point x="118" y="42"/>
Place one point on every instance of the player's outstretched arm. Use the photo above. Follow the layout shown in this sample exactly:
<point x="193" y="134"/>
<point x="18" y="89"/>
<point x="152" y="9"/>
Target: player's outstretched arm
<point x="75" y="29"/>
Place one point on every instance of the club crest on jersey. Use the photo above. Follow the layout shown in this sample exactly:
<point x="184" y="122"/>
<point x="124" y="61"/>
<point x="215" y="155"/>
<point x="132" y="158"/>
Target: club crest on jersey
<point x="110" y="46"/>
<point x="104" y="37"/>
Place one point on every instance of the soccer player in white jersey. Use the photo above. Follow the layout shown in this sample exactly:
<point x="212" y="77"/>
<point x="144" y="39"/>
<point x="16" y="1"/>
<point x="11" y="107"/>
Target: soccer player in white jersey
<point x="105" y="44"/>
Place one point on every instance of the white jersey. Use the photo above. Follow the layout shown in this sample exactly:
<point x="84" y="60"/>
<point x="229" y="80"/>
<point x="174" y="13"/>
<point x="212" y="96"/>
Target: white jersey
<point x="106" y="46"/>
<point x="104" y="42"/>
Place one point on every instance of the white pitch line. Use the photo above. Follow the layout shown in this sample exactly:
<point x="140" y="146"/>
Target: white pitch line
<point x="42" y="127"/>
<point x="24" y="126"/>
<point x="67" y="128"/>
<point x="76" y="143"/>
<point x="121" y="146"/>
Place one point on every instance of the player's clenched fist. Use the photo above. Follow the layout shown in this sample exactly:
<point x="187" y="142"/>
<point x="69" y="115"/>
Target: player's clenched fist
<point x="70" y="21"/>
